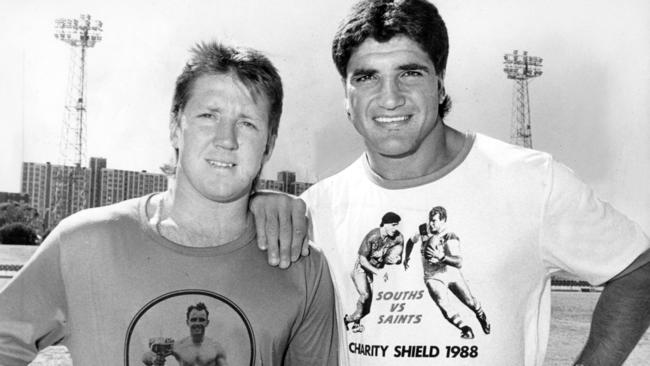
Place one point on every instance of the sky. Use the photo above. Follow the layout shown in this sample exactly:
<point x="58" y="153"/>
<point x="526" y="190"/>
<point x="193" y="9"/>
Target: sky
<point x="590" y="108"/>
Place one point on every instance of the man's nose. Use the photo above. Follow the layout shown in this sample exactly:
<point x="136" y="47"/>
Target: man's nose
<point x="391" y="95"/>
<point x="226" y="136"/>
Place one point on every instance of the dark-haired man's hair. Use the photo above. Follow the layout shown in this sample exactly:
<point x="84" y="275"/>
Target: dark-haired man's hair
<point x="440" y="211"/>
<point x="382" y="20"/>
<point x="198" y="307"/>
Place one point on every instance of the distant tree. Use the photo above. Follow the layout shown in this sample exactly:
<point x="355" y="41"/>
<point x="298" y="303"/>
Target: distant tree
<point x="18" y="233"/>
<point x="20" y="212"/>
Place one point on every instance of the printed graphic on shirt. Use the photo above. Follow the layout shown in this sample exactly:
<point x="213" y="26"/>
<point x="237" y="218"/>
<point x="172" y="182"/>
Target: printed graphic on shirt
<point x="432" y="300"/>
<point x="381" y="246"/>
<point x="190" y="328"/>
<point x="441" y="262"/>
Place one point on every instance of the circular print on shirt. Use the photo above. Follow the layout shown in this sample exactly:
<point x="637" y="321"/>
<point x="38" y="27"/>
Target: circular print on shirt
<point x="189" y="327"/>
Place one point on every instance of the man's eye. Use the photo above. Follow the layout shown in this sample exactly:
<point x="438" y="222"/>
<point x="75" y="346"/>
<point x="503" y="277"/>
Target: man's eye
<point x="207" y="115"/>
<point x="364" y="78"/>
<point x="412" y="73"/>
<point x="247" y="124"/>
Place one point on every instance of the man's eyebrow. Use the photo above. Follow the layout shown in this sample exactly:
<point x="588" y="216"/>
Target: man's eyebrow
<point x="414" y="67"/>
<point x="357" y="72"/>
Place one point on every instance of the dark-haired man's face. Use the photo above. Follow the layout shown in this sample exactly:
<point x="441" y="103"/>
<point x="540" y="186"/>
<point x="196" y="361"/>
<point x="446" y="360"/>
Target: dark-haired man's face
<point x="436" y="223"/>
<point x="392" y="95"/>
<point x="197" y="321"/>
<point x="391" y="228"/>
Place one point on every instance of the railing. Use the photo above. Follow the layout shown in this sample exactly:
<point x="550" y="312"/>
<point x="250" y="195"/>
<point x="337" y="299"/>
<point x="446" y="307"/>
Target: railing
<point x="12" y="259"/>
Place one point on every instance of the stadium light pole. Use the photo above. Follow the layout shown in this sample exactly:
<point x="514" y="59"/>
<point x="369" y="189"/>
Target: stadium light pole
<point x="521" y="67"/>
<point x="71" y="183"/>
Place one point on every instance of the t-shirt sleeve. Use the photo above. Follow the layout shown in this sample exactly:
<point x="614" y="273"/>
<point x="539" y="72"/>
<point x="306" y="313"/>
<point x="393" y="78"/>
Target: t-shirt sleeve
<point x="33" y="307"/>
<point x="315" y="341"/>
<point x="364" y="248"/>
<point x="583" y="235"/>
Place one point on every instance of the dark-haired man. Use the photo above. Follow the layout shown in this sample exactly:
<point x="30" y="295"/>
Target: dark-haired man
<point x="381" y="246"/>
<point x="196" y="349"/>
<point x="104" y="281"/>
<point x="522" y="215"/>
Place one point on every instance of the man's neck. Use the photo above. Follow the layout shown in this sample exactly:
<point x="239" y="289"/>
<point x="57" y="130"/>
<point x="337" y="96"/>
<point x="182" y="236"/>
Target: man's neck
<point x="198" y="222"/>
<point x="197" y="339"/>
<point x="437" y="150"/>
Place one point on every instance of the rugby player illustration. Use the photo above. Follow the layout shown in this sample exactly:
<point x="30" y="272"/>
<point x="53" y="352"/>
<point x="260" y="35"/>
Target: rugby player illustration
<point x="381" y="246"/>
<point x="194" y="350"/>
<point x="441" y="262"/>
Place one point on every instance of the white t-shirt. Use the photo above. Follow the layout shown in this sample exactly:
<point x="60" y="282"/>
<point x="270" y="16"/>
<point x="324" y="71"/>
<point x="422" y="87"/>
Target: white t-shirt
<point x="518" y="216"/>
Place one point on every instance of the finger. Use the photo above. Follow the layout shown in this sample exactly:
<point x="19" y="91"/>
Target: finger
<point x="272" y="238"/>
<point x="299" y="221"/>
<point x="305" y="246"/>
<point x="260" y="227"/>
<point x="285" y="237"/>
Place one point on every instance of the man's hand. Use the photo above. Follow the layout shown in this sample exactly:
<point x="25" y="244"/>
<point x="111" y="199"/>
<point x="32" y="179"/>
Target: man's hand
<point x="434" y="254"/>
<point x="281" y="226"/>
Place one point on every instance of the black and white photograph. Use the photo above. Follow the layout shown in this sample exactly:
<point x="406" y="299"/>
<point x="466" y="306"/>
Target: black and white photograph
<point x="344" y="182"/>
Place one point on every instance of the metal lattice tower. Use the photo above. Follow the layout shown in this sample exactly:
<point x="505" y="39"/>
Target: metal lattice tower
<point x="520" y="67"/>
<point x="70" y="178"/>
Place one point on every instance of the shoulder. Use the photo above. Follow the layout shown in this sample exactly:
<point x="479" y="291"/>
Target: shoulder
<point x="98" y="220"/>
<point x="500" y="154"/>
<point x="312" y="268"/>
<point x="451" y="236"/>
<point x="373" y="234"/>
<point x="327" y="189"/>
<point x="183" y="343"/>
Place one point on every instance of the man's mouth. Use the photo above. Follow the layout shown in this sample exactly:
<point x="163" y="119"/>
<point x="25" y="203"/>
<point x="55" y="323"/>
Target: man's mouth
<point x="220" y="164"/>
<point x="392" y="119"/>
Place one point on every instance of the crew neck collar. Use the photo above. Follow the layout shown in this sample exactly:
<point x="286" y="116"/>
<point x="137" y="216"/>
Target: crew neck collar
<point x="243" y="240"/>
<point x="470" y="137"/>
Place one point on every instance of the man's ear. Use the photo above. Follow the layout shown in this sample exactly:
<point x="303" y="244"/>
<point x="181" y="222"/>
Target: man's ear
<point x="346" y="101"/>
<point x="442" y="93"/>
<point x="174" y="131"/>
<point x="270" y="144"/>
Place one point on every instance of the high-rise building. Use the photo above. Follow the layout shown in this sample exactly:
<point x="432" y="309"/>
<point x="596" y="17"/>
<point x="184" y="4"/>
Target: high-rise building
<point x="119" y="185"/>
<point x="300" y="187"/>
<point x="287" y="178"/>
<point x="286" y="182"/>
<point x="96" y="166"/>
<point x="14" y="197"/>
<point x="38" y="183"/>
<point x="101" y="186"/>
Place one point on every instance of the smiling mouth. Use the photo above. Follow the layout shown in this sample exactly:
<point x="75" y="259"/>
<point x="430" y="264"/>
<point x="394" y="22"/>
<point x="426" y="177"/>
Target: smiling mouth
<point x="220" y="164"/>
<point x="392" y="119"/>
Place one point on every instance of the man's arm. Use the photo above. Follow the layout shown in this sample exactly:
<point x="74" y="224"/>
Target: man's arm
<point x="281" y="226"/>
<point x="621" y="317"/>
<point x="314" y="337"/>
<point x="363" y="261"/>
<point x="409" y="248"/>
<point x="33" y="307"/>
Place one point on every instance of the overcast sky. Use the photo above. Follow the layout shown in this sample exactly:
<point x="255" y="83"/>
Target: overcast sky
<point x="590" y="109"/>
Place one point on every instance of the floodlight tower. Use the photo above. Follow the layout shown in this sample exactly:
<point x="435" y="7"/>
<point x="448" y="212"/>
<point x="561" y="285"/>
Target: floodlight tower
<point x="70" y="178"/>
<point x="520" y="67"/>
<point x="80" y="34"/>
